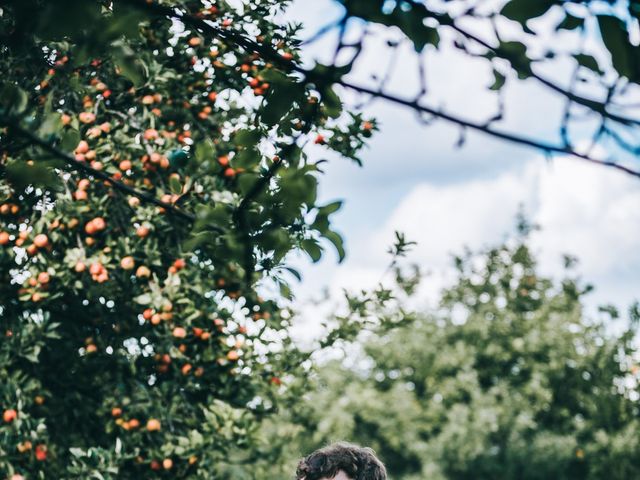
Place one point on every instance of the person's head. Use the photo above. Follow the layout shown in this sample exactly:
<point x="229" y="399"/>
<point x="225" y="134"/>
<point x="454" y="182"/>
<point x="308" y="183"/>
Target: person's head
<point x="341" y="461"/>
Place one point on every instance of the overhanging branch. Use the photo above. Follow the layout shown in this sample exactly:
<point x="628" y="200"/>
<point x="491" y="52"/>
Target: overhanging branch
<point x="546" y="147"/>
<point x="268" y="53"/>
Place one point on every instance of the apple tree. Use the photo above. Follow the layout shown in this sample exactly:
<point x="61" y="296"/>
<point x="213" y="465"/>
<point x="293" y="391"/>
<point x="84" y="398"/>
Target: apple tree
<point x="153" y="181"/>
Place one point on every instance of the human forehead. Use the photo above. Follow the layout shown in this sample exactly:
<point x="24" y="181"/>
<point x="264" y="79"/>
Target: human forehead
<point x="339" y="476"/>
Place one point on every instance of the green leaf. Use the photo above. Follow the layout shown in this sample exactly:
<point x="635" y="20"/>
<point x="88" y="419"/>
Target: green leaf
<point x="588" y="61"/>
<point x="331" y="102"/>
<point x="338" y="242"/>
<point x="624" y="56"/>
<point x="72" y="18"/>
<point x="175" y="186"/>
<point x="246" y="137"/>
<point x="13" y="100"/>
<point x="426" y="35"/>
<point x="246" y="183"/>
<point x="144" y="299"/>
<point x="70" y="139"/>
<point x="294" y="272"/>
<point x="297" y="187"/>
<point x="281" y="97"/>
<point x="130" y="65"/>
<point x="407" y="16"/>
<point x="285" y="290"/>
<point x="77" y="452"/>
<point x="196" y="240"/>
<point x="516" y="54"/>
<point x="247" y="158"/>
<point x="50" y="125"/>
<point x="330" y="208"/>
<point x="278" y="241"/>
<point x="218" y="215"/>
<point x="279" y="101"/>
<point x="312" y="248"/>
<point x="33" y="354"/>
<point x="123" y="22"/>
<point x="523" y="10"/>
<point x="499" y="80"/>
<point x="204" y="151"/>
<point x="36" y="173"/>
<point x="570" y="23"/>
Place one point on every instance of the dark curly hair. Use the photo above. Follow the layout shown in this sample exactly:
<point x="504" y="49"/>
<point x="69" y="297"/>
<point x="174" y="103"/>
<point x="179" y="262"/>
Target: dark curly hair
<point x="356" y="462"/>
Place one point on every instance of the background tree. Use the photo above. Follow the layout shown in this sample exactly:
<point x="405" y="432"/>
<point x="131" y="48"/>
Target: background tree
<point x="507" y="379"/>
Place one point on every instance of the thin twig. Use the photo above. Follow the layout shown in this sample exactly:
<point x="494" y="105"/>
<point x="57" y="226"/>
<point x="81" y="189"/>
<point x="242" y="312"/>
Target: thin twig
<point x="483" y="128"/>
<point x="594" y="105"/>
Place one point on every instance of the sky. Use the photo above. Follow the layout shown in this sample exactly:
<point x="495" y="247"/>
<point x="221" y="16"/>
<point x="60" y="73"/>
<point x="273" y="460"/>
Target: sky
<point x="415" y="180"/>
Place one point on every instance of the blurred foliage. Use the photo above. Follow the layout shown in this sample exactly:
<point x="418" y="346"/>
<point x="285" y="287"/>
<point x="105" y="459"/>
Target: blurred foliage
<point x="581" y="54"/>
<point x="508" y="379"/>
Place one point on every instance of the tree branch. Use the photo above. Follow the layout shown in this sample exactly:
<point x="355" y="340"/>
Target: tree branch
<point x="485" y="129"/>
<point x="268" y="53"/>
<point x="594" y="105"/>
<point x="83" y="167"/>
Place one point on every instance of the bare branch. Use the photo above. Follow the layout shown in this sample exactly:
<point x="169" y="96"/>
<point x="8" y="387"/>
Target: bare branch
<point x="494" y="133"/>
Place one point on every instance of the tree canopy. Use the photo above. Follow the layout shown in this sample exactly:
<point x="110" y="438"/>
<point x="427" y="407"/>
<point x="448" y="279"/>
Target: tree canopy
<point x="140" y="204"/>
<point x="508" y="378"/>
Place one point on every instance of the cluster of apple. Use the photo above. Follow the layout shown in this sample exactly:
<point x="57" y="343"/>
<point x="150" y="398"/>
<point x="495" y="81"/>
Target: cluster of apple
<point x="10" y="416"/>
<point x="152" y="425"/>
<point x="40" y="241"/>
<point x="36" y="285"/>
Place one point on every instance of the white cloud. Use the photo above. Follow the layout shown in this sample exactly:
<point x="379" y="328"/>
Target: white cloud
<point x="584" y="210"/>
<point x="590" y="212"/>
<point x="444" y="218"/>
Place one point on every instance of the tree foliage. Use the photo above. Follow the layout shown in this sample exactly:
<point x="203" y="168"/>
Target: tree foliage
<point x="508" y="378"/>
<point x="139" y="207"/>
